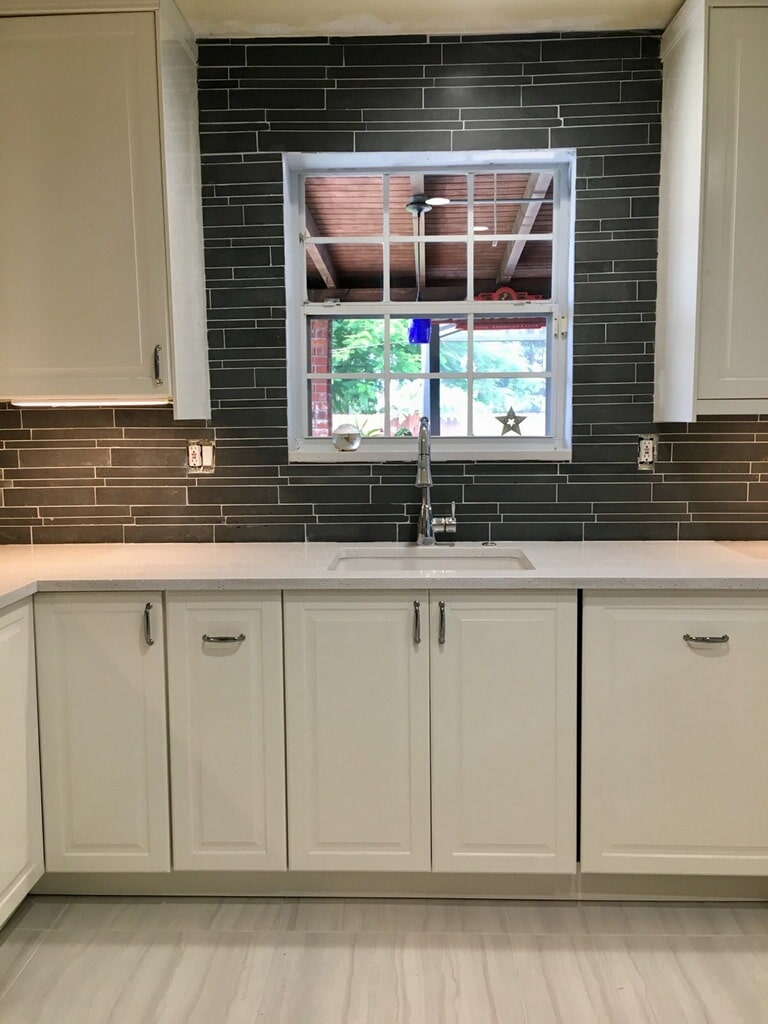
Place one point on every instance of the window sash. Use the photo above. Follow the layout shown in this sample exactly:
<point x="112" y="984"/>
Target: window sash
<point x="302" y="447"/>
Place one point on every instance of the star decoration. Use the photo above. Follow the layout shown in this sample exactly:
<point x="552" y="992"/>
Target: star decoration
<point x="511" y="422"/>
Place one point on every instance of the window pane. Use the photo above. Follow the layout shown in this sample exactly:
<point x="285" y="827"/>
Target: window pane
<point x="333" y="402"/>
<point x="504" y="397"/>
<point x="501" y="344"/>
<point x="405" y="356"/>
<point x="444" y="350"/>
<point x="340" y="206"/>
<point x="445" y="218"/>
<point x="435" y="271"/>
<point x="408" y="402"/>
<point x="507" y="204"/>
<point x="348" y="272"/>
<point x="346" y="345"/>
<point x="522" y="268"/>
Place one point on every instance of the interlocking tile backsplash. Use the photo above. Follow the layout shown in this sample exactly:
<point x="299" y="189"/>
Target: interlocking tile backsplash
<point x="119" y="475"/>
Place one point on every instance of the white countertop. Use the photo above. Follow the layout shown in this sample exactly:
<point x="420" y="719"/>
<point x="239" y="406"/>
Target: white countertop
<point x="698" y="565"/>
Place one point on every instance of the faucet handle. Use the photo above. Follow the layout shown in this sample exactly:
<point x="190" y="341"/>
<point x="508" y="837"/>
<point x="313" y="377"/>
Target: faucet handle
<point x="447" y="524"/>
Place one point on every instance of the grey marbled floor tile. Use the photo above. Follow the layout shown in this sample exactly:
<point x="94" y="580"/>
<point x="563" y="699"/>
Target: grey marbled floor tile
<point x="124" y="913"/>
<point x="720" y="968"/>
<point x="698" y="919"/>
<point x="545" y="918"/>
<point x="38" y="913"/>
<point x="477" y="916"/>
<point x="257" y="914"/>
<point x="16" y="948"/>
<point x="703" y="980"/>
<point x="113" y="977"/>
<point x="385" y="915"/>
<point x="320" y="914"/>
<point x="370" y="978"/>
<point x="559" y="981"/>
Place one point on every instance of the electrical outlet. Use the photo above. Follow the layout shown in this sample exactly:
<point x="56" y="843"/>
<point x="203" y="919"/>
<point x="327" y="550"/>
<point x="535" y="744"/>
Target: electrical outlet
<point x="201" y="456"/>
<point x="647" y="448"/>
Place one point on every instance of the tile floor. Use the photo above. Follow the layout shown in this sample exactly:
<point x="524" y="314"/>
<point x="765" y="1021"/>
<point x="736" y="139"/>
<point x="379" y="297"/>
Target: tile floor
<point x="325" y="961"/>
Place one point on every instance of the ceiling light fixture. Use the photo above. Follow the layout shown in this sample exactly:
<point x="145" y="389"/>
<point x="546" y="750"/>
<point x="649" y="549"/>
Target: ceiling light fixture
<point x="417" y="205"/>
<point x="438" y="201"/>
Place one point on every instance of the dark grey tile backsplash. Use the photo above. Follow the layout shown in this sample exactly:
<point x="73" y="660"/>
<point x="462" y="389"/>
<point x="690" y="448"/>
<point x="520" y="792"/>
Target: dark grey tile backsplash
<point x="119" y="475"/>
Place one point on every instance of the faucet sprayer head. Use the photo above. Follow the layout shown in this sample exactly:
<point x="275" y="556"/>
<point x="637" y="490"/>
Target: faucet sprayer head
<point x="423" y="467"/>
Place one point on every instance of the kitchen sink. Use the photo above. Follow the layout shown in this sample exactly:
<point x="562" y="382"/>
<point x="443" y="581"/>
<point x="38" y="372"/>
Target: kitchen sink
<point x="449" y="558"/>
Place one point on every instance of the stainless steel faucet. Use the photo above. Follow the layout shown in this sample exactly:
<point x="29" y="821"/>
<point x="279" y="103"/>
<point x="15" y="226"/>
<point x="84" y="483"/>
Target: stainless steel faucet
<point x="425" y="533"/>
<point x="428" y="525"/>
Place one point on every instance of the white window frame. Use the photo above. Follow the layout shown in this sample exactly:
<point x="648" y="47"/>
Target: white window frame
<point x="557" y="447"/>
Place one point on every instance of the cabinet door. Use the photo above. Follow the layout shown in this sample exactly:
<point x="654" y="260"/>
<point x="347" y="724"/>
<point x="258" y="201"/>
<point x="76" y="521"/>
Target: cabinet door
<point x="227" y="732"/>
<point x="357" y="728"/>
<point x="733" y="361"/>
<point x="675" y="759"/>
<point x="83" y="284"/>
<point x="21" y="829"/>
<point x="504" y="731"/>
<point x="101" y="687"/>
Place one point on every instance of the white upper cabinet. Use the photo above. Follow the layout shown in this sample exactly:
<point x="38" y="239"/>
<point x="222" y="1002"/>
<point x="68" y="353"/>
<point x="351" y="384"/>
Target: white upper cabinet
<point x="102" y="293"/>
<point x="711" y="356"/>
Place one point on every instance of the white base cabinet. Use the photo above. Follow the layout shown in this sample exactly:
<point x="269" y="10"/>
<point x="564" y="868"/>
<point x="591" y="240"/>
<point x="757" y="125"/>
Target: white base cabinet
<point x="504" y="732"/>
<point x="675" y="758"/>
<point x="357" y="731"/>
<point x="21" y="830"/>
<point x="103" y="731"/>
<point x="478" y="777"/>
<point x="225" y="694"/>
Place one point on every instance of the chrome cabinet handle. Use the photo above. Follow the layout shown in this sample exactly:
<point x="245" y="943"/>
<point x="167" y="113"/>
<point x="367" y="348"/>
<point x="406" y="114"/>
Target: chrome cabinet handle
<point x="223" y="639"/>
<point x="706" y="639"/>
<point x="148" y="639"/>
<point x="417" y="622"/>
<point x="441" y="628"/>
<point x="156" y="359"/>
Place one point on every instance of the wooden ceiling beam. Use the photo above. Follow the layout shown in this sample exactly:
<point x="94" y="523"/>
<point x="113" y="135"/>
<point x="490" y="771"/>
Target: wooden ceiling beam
<point x="319" y="254"/>
<point x="535" y="189"/>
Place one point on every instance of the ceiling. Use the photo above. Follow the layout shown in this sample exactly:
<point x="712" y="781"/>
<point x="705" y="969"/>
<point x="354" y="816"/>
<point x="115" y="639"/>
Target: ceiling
<point x="434" y="269"/>
<point x="226" y="18"/>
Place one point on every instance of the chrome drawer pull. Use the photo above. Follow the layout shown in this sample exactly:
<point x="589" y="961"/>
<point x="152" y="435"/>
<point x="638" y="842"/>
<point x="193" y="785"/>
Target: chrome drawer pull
<point x="223" y="639"/>
<point x="706" y="639"/>
<point x="417" y="622"/>
<point x="156" y="364"/>
<point x="148" y="638"/>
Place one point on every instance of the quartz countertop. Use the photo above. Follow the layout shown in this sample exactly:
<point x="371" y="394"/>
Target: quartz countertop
<point x="694" y="565"/>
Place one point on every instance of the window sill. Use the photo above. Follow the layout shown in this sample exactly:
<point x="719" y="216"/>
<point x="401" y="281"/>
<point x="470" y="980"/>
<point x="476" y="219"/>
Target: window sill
<point x="371" y="450"/>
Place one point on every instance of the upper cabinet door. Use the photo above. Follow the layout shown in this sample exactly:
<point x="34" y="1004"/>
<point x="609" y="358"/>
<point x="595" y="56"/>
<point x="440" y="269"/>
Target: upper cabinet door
<point x="102" y="284"/>
<point x="103" y="731"/>
<point x="225" y="694"/>
<point x="83" y="298"/>
<point x="713" y="262"/>
<point x="357" y="727"/>
<point x="733" y="361"/>
<point x="504" y="732"/>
